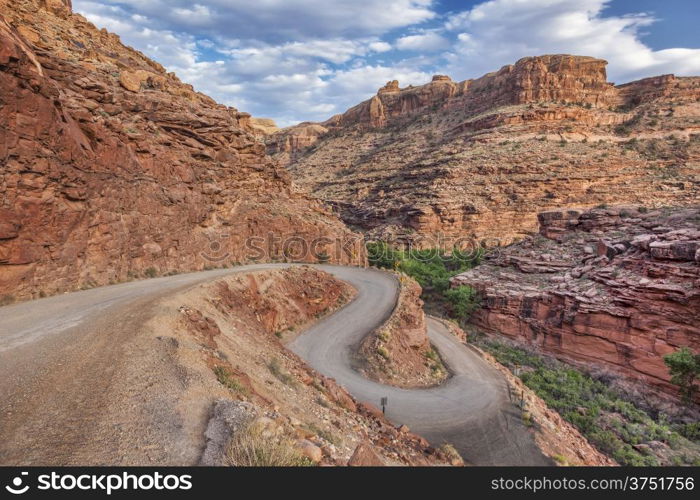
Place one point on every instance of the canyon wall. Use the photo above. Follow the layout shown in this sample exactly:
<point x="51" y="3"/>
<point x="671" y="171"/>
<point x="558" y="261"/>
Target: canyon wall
<point x="112" y="167"/>
<point x="616" y="288"/>
<point x="479" y="159"/>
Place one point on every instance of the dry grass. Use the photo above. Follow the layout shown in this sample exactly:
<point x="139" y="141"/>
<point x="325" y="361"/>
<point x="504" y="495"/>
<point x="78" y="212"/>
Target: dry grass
<point x="252" y="447"/>
<point x="223" y="375"/>
<point x="276" y="369"/>
<point x="451" y="453"/>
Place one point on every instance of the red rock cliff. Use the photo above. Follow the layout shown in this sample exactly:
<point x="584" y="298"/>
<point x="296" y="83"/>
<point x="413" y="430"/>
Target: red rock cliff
<point x="617" y="288"/>
<point x="445" y="161"/>
<point x="111" y="166"/>
<point x="558" y="78"/>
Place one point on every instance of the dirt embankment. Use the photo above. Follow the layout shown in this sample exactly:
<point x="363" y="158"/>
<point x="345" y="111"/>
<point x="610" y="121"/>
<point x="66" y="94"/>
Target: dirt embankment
<point x="230" y="341"/>
<point x="399" y="353"/>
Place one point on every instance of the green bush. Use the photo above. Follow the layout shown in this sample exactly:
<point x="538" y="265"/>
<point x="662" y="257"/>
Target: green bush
<point x="464" y="300"/>
<point x="612" y="424"/>
<point x="432" y="269"/>
<point x="223" y="375"/>
<point x="684" y="367"/>
<point x="689" y="431"/>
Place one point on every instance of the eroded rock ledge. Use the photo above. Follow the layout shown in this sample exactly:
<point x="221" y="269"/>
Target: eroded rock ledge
<point x="611" y="287"/>
<point x="447" y="160"/>
<point x="399" y="353"/>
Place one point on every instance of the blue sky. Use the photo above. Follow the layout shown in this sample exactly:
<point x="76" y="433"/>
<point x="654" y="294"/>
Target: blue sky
<point x="297" y="60"/>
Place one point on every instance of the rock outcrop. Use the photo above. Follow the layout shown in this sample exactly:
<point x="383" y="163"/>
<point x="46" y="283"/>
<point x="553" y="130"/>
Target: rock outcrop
<point x="399" y="352"/>
<point x="289" y="142"/>
<point x="617" y="288"/>
<point x="479" y="159"/>
<point x="112" y="167"/>
<point x="263" y="126"/>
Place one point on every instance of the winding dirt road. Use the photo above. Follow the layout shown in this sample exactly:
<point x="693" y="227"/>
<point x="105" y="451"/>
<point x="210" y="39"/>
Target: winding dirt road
<point x="59" y="358"/>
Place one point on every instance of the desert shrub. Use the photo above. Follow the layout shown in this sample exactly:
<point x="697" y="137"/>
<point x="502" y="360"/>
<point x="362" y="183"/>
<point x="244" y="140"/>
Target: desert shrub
<point x="612" y="424"/>
<point x="464" y="300"/>
<point x="251" y="447"/>
<point x="451" y="452"/>
<point x="684" y="367"/>
<point x="380" y="254"/>
<point x="223" y="375"/>
<point x="276" y="369"/>
<point x="689" y="431"/>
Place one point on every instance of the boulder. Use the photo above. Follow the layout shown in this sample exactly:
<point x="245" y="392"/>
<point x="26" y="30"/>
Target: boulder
<point x="365" y="456"/>
<point x="309" y="450"/>
<point x="605" y="248"/>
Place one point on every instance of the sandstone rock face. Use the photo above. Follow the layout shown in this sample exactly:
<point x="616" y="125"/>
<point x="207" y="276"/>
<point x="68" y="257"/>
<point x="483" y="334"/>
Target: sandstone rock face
<point x="479" y="159"/>
<point x="365" y="456"/>
<point x="399" y="353"/>
<point x="554" y="78"/>
<point x="263" y="126"/>
<point x="57" y="6"/>
<point x="110" y="166"/>
<point x="616" y="288"/>
<point x="288" y="143"/>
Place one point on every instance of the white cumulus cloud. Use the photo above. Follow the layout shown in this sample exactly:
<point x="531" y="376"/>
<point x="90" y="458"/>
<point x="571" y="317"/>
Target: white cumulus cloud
<point x="298" y="60"/>
<point x="499" y="32"/>
<point x="426" y="42"/>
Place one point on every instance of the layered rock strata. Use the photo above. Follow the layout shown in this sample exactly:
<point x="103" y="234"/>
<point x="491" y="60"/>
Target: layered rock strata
<point x="112" y="167"/>
<point x="616" y="288"/>
<point x="479" y="159"/>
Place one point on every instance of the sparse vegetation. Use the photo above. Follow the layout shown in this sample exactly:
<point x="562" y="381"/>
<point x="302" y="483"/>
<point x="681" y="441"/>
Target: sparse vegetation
<point x="451" y="453"/>
<point x="223" y="375"/>
<point x="328" y="436"/>
<point x="614" y="425"/>
<point x="276" y="369"/>
<point x="251" y="447"/>
<point x="150" y="272"/>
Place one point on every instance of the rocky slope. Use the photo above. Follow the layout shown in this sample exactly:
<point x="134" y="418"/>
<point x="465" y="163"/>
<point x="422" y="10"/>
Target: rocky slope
<point x="231" y="334"/>
<point x="480" y="158"/>
<point x="399" y="353"/>
<point x="609" y="287"/>
<point x="112" y="167"/>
